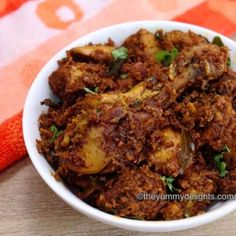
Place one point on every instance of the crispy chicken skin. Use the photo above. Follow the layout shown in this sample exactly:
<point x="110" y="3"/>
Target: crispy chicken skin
<point x="128" y="122"/>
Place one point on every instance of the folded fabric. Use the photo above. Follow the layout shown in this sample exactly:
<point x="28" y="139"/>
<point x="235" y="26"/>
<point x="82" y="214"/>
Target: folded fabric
<point x="12" y="147"/>
<point x="32" y="31"/>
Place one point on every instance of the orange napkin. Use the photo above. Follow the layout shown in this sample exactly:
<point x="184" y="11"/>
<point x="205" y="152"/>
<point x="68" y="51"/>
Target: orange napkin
<point x="32" y="31"/>
<point x="12" y="147"/>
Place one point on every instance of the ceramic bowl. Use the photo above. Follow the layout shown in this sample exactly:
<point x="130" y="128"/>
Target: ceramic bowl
<point x="41" y="90"/>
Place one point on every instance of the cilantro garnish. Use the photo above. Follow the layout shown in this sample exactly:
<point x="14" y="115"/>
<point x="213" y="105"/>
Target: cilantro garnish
<point x="220" y="164"/>
<point x="168" y="180"/>
<point x="120" y="53"/>
<point x="166" y="57"/>
<point x="56" y="133"/>
<point x="119" y="56"/>
<point x="217" y="41"/>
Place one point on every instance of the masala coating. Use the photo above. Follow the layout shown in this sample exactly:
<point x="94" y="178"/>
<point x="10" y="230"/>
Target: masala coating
<point x="155" y="115"/>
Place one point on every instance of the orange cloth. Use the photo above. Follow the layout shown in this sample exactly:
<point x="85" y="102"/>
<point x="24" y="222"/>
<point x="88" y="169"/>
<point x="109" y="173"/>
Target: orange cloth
<point x="12" y="144"/>
<point x="32" y="31"/>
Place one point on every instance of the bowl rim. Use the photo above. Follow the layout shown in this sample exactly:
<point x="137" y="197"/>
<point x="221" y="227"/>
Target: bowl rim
<point x="76" y="203"/>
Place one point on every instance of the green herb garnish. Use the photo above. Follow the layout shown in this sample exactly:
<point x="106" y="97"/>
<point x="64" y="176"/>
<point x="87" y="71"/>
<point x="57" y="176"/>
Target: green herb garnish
<point x="88" y="90"/>
<point x="166" y="57"/>
<point x="217" y="41"/>
<point x="119" y="56"/>
<point x="124" y="76"/>
<point x="168" y="180"/>
<point x="120" y="53"/>
<point x="220" y="164"/>
<point x="96" y="89"/>
<point x="56" y="133"/>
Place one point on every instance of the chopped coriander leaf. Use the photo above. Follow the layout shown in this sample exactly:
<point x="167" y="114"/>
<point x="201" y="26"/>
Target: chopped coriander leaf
<point x="220" y="155"/>
<point x="220" y="164"/>
<point x="222" y="169"/>
<point x="174" y="53"/>
<point x="88" y="90"/>
<point x="55" y="131"/>
<point x="96" y="89"/>
<point x="120" y="53"/>
<point x="169" y="182"/>
<point x="123" y="76"/>
<point x="162" y="55"/>
<point x="228" y="62"/>
<point x="166" y="57"/>
<point x="217" y="41"/>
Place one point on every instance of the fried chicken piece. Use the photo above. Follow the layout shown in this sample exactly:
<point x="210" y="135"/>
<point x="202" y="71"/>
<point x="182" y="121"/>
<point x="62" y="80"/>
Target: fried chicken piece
<point x="226" y="85"/>
<point x="227" y="185"/>
<point x="200" y="63"/>
<point x="91" y="147"/>
<point x="210" y="119"/>
<point x="165" y="156"/>
<point x="172" y="211"/>
<point x="180" y="40"/>
<point x="70" y="78"/>
<point x="197" y="180"/>
<point x="141" y="44"/>
<point x="197" y="65"/>
<point x="99" y="53"/>
<point x="120" y="198"/>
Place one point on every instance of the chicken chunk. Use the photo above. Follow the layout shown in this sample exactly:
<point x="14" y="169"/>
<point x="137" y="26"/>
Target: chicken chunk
<point x="141" y="44"/>
<point x="121" y="195"/>
<point x="100" y="53"/>
<point x="180" y="40"/>
<point x="173" y="211"/>
<point x="70" y="78"/>
<point x="165" y="156"/>
<point x="197" y="65"/>
<point x="226" y="85"/>
<point x="210" y="119"/>
<point x="198" y="181"/>
<point x="200" y="63"/>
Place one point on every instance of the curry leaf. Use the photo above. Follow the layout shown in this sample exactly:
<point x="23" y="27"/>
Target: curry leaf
<point x="217" y="41"/>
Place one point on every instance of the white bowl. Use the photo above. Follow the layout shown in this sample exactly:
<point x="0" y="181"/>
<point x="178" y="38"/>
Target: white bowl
<point x="40" y="90"/>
